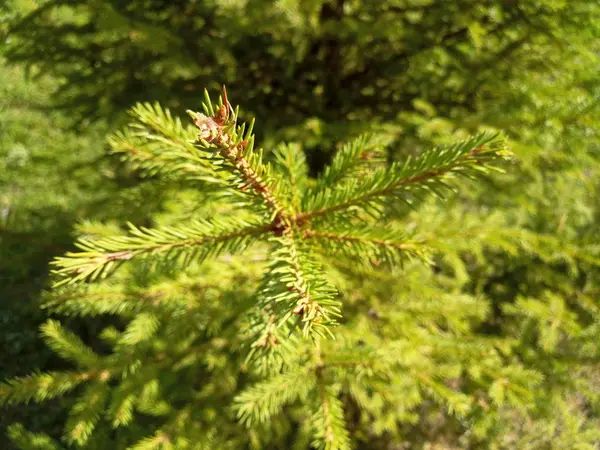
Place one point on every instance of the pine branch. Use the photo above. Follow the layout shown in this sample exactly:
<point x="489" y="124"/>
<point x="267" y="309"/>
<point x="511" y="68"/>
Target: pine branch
<point x="427" y="174"/>
<point x="198" y="240"/>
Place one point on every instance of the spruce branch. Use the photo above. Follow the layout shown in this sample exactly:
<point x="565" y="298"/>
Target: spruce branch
<point x="85" y="414"/>
<point x="357" y="156"/>
<point x="150" y="400"/>
<point x="294" y="291"/>
<point x="42" y="386"/>
<point x="26" y="440"/>
<point x="157" y="123"/>
<point x="268" y="340"/>
<point x="159" y="441"/>
<point x="122" y="404"/>
<point x="330" y="431"/>
<point x="293" y="169"/>
<point x="197" y="240"/>
<point x="158" y="144"/>
<point x="232" y="146"/>
<point x="266" y="399"/>
<point x="68" y="345"/>
<point x="428" y="173"/>
<point x="142" y="328"/>
<point x="110" y="298"/>
<point x="455" y="401"/>
<point x="140" y="391"/>
<point x="105" y="300"/>
<point x="295" y="287"/>
<point x="157" y="159"/>
<point x="367" y="243"/>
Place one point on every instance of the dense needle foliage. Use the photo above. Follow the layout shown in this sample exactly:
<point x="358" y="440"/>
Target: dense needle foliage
<point x="318" y="294"/>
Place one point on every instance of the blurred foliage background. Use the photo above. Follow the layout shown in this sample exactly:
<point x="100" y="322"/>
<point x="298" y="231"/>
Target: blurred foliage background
<point x="317" y="72"/>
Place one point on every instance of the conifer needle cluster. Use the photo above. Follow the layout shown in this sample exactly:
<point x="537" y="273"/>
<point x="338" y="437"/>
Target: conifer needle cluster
<point x="266" y="320"/>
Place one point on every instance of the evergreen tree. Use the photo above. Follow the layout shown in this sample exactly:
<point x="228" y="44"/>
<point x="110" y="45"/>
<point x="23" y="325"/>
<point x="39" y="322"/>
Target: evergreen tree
<point x="330" y="68"/>
<point x="45" y="175"/>
<point x="486" y="334"/>
<point x="279" y="315"/>
<point x="51" y="177"/>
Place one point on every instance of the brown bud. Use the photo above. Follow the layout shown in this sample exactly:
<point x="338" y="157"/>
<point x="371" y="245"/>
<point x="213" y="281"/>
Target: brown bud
<point x="221" y="116"/>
